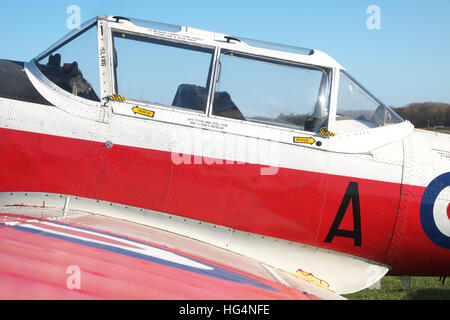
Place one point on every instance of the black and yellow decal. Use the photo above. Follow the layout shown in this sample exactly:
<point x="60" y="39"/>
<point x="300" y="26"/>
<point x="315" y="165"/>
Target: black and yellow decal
<point x="324" y="132"/>
<point x="116" y="97"/>
<point x="307" y="140"/>
<point x="143" y="112"/>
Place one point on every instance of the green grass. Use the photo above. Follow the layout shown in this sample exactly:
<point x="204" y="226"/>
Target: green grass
<point x="422" y="288"/>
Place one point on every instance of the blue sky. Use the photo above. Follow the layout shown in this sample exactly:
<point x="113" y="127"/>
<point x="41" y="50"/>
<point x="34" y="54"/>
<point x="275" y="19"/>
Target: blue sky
<point x="407" y="60"/>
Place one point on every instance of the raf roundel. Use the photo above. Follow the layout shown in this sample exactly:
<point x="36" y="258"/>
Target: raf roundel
<point x="434" y="211"/>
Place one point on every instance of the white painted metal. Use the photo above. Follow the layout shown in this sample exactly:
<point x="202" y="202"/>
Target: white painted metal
<point x="428" y="156"/>
<point x="105" y="52"/>
<point x="63" y="100"/>
<point x="333" y="99"/>
<point x="212" y="39"/>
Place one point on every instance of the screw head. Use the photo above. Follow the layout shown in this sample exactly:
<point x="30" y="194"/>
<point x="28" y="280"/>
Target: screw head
<point x="108" y="144"/>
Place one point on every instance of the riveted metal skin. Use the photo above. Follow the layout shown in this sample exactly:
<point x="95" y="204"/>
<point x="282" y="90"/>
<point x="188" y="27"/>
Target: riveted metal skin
<point x="359" y="201"/>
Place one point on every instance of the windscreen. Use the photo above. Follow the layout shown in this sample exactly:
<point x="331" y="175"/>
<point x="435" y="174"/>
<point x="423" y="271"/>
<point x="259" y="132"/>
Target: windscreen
<point x="357" y="109"/>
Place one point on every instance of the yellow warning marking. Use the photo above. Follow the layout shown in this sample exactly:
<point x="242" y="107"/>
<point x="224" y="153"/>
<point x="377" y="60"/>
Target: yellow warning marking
<point x="143" y="112"/>
<point x="324" y="132"/>
<point x="304" y="140"/>
<point x="116" y="97"/>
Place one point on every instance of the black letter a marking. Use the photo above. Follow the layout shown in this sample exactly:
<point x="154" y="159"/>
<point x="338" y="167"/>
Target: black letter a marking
<point x="352" y="193"/>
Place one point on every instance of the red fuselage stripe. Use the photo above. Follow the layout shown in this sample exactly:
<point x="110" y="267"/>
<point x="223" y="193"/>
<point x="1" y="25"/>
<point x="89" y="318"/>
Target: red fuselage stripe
<point x="294" y="205"/>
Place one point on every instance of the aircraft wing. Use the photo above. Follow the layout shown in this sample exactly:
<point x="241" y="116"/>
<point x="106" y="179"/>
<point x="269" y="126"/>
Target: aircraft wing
<point x="47" y="254"/>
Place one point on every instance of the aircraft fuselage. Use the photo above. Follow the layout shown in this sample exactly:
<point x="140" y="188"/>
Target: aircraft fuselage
<point x="379" y="194"/>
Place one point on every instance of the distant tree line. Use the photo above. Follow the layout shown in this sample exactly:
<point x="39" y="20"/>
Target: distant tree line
<point x="424" y="115"/>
